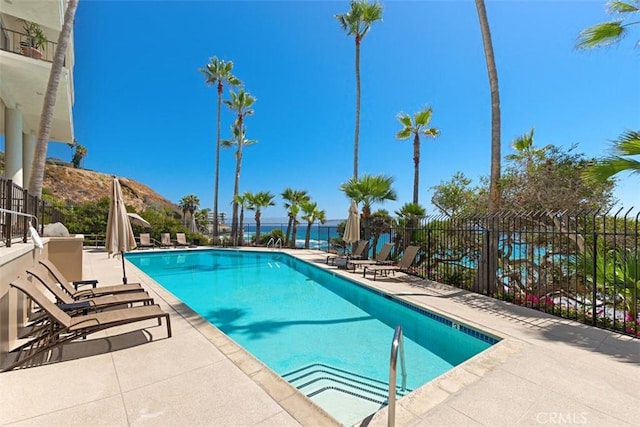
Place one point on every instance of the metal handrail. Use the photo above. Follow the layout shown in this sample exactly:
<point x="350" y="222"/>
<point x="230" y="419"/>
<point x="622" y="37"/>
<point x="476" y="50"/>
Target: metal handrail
<point x="8" y="211"/>
<point x="397" y="344"/>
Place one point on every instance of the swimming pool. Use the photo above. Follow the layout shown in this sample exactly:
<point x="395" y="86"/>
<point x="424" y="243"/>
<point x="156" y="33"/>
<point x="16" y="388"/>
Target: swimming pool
<point x="325" y="334"/>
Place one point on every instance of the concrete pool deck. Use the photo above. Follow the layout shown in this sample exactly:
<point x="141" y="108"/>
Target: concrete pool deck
<point x="545" y="371"/>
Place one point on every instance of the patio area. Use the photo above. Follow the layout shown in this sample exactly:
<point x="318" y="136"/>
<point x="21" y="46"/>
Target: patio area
<point x="545" y="371"/>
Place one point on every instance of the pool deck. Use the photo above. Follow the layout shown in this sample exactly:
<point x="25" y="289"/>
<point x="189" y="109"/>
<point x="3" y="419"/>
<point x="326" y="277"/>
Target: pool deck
<point x="545" y="371"/>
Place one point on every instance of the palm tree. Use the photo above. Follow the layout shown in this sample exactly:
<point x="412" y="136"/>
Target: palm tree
<point x="379" y="223"/>
<point x="311" y="214"/>
<point x="419" y="125"/>
<point x="357" y="23"/>
<point x="256" y="203"/>
<point x="189" y="204"/>
<point x="368" y="190"/>
<point x="241" y="200"/>
<point x="627" y="145"/>
<point x="609" y="32"/>
<point x="486" y="275"/>
<point x="48" y="106"/>
<point x="79" y="154"/>
<point x="409" y="217"/>
<point x="292" y="200"/>
<point x="218" y="72"/>
<point x="240" y="103"/>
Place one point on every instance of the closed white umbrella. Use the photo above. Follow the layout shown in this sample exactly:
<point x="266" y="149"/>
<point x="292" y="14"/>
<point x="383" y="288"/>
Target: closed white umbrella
<point x="352" y="228"/>
<point x="193" y="227"/>
<point x="120" y="236"/>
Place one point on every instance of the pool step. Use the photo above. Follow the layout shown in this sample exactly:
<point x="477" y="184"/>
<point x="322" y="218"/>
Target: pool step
<point x="316" y="379"/>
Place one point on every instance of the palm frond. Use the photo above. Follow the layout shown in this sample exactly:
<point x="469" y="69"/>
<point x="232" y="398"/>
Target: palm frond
<point x="622" y="7"/>
<point x="610" y="166"/>
<point x="628" y="144"/>
<point x="405" y="133"/>
<point x="601" y="34"/>
<point x="423" y="117"/>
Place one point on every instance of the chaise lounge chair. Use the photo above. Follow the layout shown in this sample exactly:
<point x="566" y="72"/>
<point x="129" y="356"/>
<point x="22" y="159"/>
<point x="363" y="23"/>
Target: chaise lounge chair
<point x="165" y="240"/>
<point x="357" y="254"/>
<point x="145" y="241"/>
<point x="72" y="287"/>
<point x="403" y="265"/>
<point x="63" y="328"/>
<point x="380" y="258"/>
<point x="181" y="240"/>
<point x="94" y="303"/>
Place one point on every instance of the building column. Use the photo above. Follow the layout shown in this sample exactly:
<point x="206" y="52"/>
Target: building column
<point x="29" y="141"/>
<point x="13" y="145"/>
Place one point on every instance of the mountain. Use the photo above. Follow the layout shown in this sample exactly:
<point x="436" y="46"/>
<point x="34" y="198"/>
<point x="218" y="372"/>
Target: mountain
<point x="76" y="186"/>
<point x="79" y="185"/>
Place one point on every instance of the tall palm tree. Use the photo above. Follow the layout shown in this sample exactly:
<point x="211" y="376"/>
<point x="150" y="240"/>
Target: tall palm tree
<point x="257" y="202"/>
<point x="369" y="189"/>
<point x="612" y="31"/>
<point x="218" y="72"/>
<point x="189" y="204"/>
<point x="241" y="104"/>
<point x="242" y="201"/>
<point x="311" y="214"/>
<point x="627" y="145"/>
<point x="48" y="106"/>
<point x="486" y="279"/>
<point x="419" y="125"/>
<point x="292" y="200"/>
<point x="357" y="23"/>
<point x="79" y="154"/>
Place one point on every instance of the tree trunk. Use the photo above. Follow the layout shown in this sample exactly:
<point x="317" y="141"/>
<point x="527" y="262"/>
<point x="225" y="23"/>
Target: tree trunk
<point x="236" y="190"/>
<point x="307" y="236"/>
<point x="487" y="268"/>
<point x="48" y="107"/>
<point x="294" y="230"/>
<point x="286" y="237"/>
<point x="258" y="216"/>
<point x="216" y="230"/>
<point x="416" y="167"/>
<point x="357" y="131"/>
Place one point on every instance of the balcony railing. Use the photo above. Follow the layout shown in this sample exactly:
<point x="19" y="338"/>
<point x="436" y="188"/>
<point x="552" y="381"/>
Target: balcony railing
<point x="16" y="42"/>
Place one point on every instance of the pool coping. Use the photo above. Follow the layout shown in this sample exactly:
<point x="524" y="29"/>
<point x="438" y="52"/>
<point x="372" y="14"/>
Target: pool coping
<point x="303" y="409"/>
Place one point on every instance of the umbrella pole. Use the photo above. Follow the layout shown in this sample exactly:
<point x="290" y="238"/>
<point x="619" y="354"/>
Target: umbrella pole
<point x="124" y="273"/>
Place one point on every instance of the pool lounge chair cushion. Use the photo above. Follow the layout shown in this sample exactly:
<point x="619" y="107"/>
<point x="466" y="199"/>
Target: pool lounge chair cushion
<point x="380" y="258"/>
<point x="358" y="253"/>
<point x="165" y="240"/>
<point x="181" y="240"/>
<point x="93" y="303"/>
<point x="145" y="241"/>
<point x="404" y="264"/>
<point x="87" y="293"/>
<point x="65" y="328"/>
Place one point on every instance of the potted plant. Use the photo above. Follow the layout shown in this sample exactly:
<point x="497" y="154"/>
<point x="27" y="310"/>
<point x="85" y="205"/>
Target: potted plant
<point x="35" y="40"/>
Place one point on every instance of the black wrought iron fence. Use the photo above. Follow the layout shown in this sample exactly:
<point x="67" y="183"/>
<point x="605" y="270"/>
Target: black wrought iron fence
<point x="19" y="209"/>
<point x="578" y="265"/>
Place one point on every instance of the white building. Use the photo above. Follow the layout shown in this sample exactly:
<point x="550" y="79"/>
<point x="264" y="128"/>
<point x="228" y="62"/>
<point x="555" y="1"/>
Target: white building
<point x="24" y="73"/>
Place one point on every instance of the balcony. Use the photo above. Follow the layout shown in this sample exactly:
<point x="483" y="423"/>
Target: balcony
<point x="18" y="43"/>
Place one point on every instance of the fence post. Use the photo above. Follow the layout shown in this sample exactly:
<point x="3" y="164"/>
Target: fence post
<point x="594" y="317"/>
<point x="9" y="218"/>
<point x="25" y="209"/>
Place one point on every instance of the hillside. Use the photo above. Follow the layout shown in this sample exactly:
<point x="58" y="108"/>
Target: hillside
<point x="79" y="185"/>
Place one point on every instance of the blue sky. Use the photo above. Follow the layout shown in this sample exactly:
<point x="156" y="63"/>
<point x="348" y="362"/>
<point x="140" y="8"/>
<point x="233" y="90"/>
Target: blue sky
<point x="143" y="111"/>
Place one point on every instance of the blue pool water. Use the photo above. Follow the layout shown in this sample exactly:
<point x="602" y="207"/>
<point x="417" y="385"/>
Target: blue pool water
<point x="293" y="316"/>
